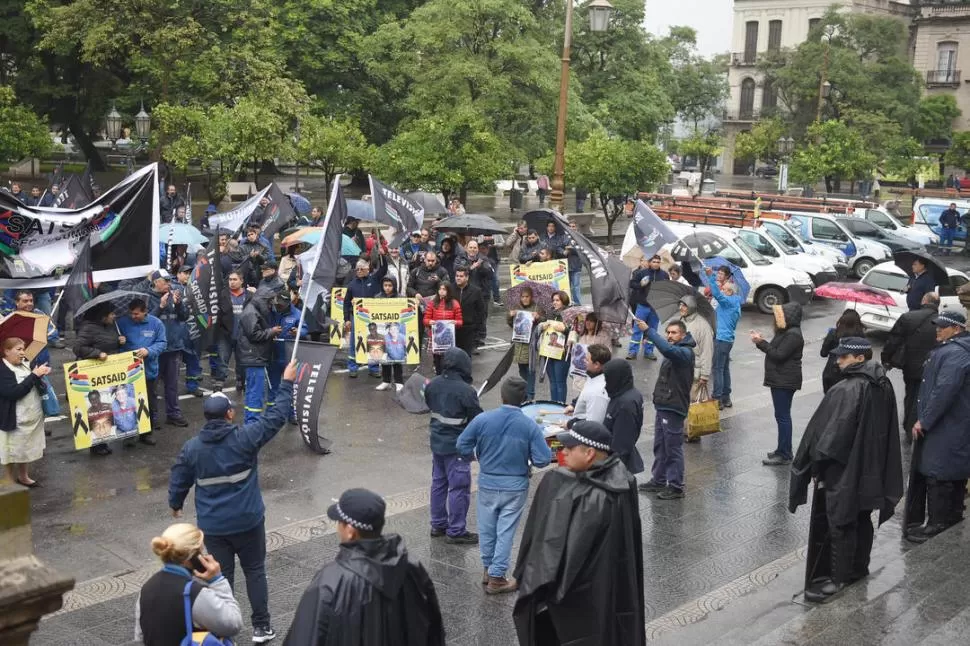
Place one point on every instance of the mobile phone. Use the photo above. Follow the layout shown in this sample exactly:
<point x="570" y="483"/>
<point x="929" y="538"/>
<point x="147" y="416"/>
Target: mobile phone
<point x="196" y="563"/>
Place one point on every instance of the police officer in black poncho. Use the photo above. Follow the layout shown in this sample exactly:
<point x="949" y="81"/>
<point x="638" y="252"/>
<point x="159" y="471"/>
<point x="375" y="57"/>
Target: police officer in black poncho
<point x="373" y="594"/>
<point x="580" y="565"/>
<point x="851" y="450"/>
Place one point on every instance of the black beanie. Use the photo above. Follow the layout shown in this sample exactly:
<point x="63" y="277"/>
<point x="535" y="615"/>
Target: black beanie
<point x="513" y="391"/>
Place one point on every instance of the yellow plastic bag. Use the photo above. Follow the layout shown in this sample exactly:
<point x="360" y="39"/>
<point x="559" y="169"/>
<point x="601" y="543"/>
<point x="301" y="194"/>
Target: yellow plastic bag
<point x="703" y="416"/>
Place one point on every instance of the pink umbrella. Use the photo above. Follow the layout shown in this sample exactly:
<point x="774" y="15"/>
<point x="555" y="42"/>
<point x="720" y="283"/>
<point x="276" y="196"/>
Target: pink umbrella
<point x="855" y="293"/>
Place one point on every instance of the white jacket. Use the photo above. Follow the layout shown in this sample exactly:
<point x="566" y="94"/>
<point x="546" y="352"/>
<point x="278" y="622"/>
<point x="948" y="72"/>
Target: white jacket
<point x="593" y="400"/>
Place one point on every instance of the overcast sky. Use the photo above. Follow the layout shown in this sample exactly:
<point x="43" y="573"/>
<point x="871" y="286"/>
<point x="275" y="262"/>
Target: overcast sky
<point x="711" y="18"/>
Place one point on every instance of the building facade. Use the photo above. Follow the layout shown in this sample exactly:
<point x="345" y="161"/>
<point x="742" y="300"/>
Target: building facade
<point x="941" y="53"/>
<point x="762" y="26"/>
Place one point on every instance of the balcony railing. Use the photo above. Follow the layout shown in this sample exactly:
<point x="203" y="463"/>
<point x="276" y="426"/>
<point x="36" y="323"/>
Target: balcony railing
<point x="945" y="11"/>
<point x="943" y="78"/>
<point x="744" y="59"/>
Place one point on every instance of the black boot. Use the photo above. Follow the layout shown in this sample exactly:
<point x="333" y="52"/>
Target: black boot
<point x="939" y="498"/>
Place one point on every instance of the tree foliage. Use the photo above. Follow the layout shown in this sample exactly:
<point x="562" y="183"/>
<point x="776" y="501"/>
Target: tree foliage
<point x="959" y="153"/>
<point x="934" y="117"/>
<point x="22" y="133"/>
<point x="704" y="147"/>
<point x="332" y="146"/>
<point x="761" y="142"/>
<point x="836" y="149"/>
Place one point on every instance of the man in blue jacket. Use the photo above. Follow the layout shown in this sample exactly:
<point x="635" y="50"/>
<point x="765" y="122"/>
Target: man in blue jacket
<point x="145" y="336"/>
<point x="949" y="219"/>
<point x="453" y="404"/>
<point x="505" y="441"/>
<point x="941" y="449"/>
<point x="648" y="272"/>
<point x="728" y="315"/>
<point x="671" y="400"/>
<point x="221" y="462"/>
<point x="921" y="283"/>
<point x="366" y="284"/>
<point x="168" y="306"/>
<point x="287" y="317"/>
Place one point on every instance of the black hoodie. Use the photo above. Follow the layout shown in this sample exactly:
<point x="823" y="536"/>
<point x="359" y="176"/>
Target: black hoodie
<point x="452" y="400"/>
<point x="371" y="595"/>
<point x="783" y="354"/>
<point x="624" y="414"/>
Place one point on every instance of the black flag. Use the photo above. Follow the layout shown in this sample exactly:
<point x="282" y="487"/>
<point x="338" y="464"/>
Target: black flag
<point x="396" y="210"/>
<point x="73" y="194"/>
<point x="609" y="277"/>
<point x="323" y="274"/>
<point x="210" y="310"/>
<point x="79" y="287"/>
<point x="315" y="361"/>
<point x="87" y="179"/>
<point x="278" y="213"/>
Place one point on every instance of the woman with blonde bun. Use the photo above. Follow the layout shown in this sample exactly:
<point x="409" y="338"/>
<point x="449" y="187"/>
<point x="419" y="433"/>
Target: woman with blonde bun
<point x="187" y="571"/>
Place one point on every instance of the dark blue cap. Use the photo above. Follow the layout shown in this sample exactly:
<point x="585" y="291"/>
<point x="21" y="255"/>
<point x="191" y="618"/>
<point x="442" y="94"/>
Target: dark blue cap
<point x="216" y="405"/>
<point x="588" y="433"/>
<point x="360" y="508"/>
<point x="852" y="345"/>
<point x="950" y="319"/>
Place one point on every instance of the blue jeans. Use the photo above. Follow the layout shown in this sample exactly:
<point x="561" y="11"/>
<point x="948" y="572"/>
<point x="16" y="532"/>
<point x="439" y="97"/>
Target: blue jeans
<point x="498" y="516"/>
<point x="781" y="399"/>
<point x="530" y="381"/>
<point x="193" y="370"/>
<point x="574" y="278"/>
<point x="451" y="492"/>
<point x="168" y="371"/>
<point x="496" y="296"/>
<point x="946" y="236"/>
<point x="250" y="547"/>
<point x="644" y="313"/>
<point x="257" y="386"/>
<point x="557" y="371"/>
<point x="668" y="449"/>
<point x="722" y="370"/>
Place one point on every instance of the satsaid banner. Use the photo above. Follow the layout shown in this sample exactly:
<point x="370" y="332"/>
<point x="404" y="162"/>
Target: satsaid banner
<point x="107" y="400"/>
<point x="551" y="272"/>
<point x="386" y="331"/>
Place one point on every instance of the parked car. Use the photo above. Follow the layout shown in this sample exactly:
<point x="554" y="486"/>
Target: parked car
<point x="886" y="221"/>
<point x="865" y="229"/>
<point x="771" y="283"/>
<point x="767" y="171"/>
<point x="820" y="269"/>
<point x="863" y="254"/>
<point x="789" y="237"/>
<point x="890" y="278"/>
<point x="926" y="215"/>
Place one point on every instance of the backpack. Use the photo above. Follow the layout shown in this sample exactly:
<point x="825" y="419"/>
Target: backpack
<point x="199" y="637"/>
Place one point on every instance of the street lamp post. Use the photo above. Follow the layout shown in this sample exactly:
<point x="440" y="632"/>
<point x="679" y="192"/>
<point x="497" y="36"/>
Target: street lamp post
<point x="113" y="124"/>
<point x="600" y="12"/>
<point x="786" y="145"/>
<point x="823" y="84"/>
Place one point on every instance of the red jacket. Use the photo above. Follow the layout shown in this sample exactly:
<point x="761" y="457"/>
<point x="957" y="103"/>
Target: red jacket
<point x="439" y="312"/>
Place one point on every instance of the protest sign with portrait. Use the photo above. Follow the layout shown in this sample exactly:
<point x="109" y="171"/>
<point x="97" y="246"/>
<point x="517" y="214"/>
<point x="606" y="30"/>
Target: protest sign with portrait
<point x="522" y="326"/>
<point x="335" y="335"/>
<point x="386" y="331"/>
<point x="551" y="272"/>
<point x="552" y="344"/>
<point x="107" y="400"/>
<point x="442" y="336"/>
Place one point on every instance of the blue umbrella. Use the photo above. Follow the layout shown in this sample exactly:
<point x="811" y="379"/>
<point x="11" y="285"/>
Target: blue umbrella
<point x="714" y="262"/>
<point x="348" y="247"/>
<point x="181" y="234"/>
<point x="300" y="204"/>
<point x="360" y="210"/>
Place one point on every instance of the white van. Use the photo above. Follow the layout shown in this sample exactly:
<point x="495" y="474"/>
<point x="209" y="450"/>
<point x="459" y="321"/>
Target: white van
<point x="926" y="216"/>
<point x="886" y="221"/>
<point x="863" y="254"/>
<point x="820" y="269"/>
<point x="789" y="238"/>
<point x="771" y="283"/>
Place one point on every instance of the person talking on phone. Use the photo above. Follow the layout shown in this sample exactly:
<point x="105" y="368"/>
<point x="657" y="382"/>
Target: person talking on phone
<point x="221" y="462"/>
<point x="186" y="569"/>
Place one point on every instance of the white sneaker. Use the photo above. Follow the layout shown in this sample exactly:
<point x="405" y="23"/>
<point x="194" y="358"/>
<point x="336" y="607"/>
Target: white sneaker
<point x="384" y="386"/>
<point x="399" y="387"/>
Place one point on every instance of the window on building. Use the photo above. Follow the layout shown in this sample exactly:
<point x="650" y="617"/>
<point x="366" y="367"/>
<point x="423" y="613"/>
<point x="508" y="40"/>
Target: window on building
<point x="769" y="95"/>
<point x="747" y="99"/>
<point x="750" y="41"/>
<point x="774" y="35"/>
<point x="946" y="62"/>
<point x="813" y="23"/>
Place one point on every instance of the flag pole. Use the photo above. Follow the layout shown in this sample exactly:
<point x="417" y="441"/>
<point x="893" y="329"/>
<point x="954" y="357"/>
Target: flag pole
<point x="323" y="229"/>
<point x="56" y="303"/>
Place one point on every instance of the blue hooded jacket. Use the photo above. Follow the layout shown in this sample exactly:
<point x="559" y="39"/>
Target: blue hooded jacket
<point x="728" y="312"/>
<point x="943" y="408"/>
<point x="452" y="400"/>
<point x="173" y="317"/>
<point x="149" y="334"/>
<point x="221" y="461"/>
<point x="288" y="321"/>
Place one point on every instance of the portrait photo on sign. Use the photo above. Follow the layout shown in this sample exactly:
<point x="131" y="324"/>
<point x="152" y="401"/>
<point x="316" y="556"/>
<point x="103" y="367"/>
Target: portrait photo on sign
<point x="442" y="336"/>
<point x="552" y="344"/>
<point x="578" y="362"/>
<point x="108" y="399"/>
<point x="380" y="321"/>
<point x="522" y="326"/>
<point x="395" y="343"/>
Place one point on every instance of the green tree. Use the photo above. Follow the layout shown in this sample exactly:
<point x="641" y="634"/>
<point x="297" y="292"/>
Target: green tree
<point x="935" y="116"/>
<point x="453" y="152"/>
<point x="761" y="142"/>
<point x="22" y="133"/>
<point x="331" y="146"/>
<point x="613" y="169"/>
<point x="704" y="147"/>
<point x="835" y="151"/>
<point x="959" y="152"/>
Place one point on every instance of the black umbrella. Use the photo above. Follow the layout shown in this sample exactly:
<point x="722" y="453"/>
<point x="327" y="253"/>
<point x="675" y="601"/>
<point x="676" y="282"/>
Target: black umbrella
<point x="701" y="244"/>
<point x="119" y="300"/>
<point x="538" y="219"/>
<point x="904" y="260"/>
<point x="430" y="202"/>
<point x="470" y="224"/>
<point x="500" y="370"/>
<point x="664" y="297"/>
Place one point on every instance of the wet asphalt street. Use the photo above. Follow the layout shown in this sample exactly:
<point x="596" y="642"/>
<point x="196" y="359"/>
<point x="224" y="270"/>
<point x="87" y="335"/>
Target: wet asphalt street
<point x="93" y="518"/>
